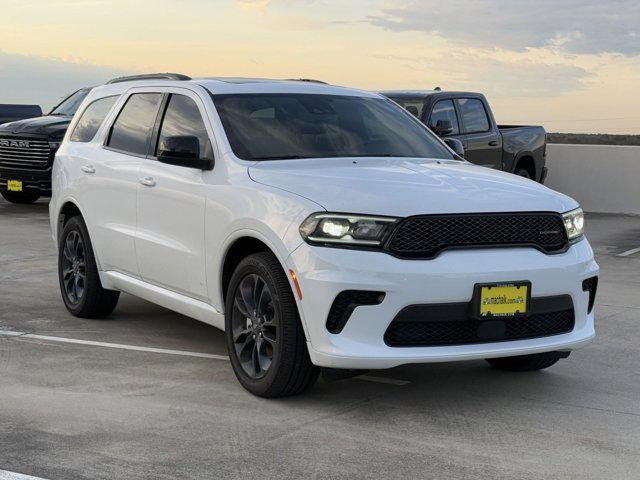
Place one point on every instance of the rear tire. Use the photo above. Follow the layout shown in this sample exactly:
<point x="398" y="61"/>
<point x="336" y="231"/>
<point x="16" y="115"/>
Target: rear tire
<point x="264" y="336"/>
<point x="80" y="285"/>
<point x="526" y="363"/>
<point x="24" y="198"/>
<point x="523" y="172"/>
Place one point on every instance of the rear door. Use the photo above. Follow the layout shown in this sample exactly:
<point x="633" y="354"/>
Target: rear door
<point x="481" y="138"/>
<point x="108" y="169"/>
<point x="170" y="242"/>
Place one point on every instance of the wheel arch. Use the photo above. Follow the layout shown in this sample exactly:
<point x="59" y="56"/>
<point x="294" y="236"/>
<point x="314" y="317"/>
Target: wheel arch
<point x="525" y="160"/>
<point x="242" y="244"/>
<point x="235" y="252"/>
<point x="68" y="209"/>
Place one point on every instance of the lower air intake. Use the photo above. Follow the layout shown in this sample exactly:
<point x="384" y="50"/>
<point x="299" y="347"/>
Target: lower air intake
<point x="590" y="285"/>
<point x="345" y="303"/>
<point x="423" y="326"/>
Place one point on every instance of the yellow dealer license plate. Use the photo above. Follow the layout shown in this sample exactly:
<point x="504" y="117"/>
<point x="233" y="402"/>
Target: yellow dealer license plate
<point x="14" y="185"/>
<point x="503" y="299"/>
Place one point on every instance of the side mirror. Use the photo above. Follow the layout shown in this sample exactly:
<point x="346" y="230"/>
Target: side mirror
<point x="443" y="128"/>
<point x="183" y="150"/>
<point x="455" y="145"/>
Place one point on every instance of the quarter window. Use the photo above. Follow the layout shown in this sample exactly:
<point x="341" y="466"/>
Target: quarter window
<point x="474" y="117"/>
<point x="414" y="108"/>
<point x="132" y="129"/>
<point x="91" y="119"/>
<point x="182" y="119"/>
<point x="444" y="110"/>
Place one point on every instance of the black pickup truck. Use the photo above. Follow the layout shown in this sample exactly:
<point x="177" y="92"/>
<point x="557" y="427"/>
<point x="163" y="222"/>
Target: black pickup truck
<point x="467" y="117"/>
<point x="28" y="147"/>
<point x="12" y="112"/>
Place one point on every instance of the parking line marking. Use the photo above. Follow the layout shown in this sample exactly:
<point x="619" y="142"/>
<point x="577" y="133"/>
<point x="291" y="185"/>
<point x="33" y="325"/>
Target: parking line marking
<point x="629" y="252"/>
<point x="184" y="353"/>
<point x="388" y="381"/>
<point x="7" y="475"/>
<point x="13" y="333"/>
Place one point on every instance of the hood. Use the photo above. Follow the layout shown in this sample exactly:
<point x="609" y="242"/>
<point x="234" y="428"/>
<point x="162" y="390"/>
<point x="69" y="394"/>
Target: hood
<point x="50" y="125"/>
<point x="403" y="187"/>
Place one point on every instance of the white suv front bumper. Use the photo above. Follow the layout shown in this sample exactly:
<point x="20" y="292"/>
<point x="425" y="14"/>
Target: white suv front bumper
<point x="449" y="278"/>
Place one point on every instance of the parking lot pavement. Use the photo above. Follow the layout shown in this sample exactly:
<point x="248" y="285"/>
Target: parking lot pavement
<point x="84" y="410"/>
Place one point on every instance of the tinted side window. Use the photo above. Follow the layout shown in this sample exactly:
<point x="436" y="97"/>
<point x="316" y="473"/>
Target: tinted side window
<point x="182" y="118"/>
<point x="413" y="105"/>
<point x="132" y="129"/>
<point x="91" y="119"/>
<point x="444" y="110"/>
<point x="414" y="108"/>
<point x="473" y="114"/>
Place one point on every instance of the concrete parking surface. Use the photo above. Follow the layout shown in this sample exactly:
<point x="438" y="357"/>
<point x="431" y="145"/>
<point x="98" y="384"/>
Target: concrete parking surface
<point x="83" y="410"/>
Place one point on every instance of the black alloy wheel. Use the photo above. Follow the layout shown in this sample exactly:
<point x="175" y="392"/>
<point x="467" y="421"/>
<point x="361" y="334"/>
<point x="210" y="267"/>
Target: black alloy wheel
<point x="74" y="267"/>
<point x="254" y="326"/>
<point x="80" y="285"/>
<point x="265" y="340"/>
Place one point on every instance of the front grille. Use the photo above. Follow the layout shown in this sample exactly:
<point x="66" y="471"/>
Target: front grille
<point x="426" y="235"/>
<point x="449" y="324"/>
<point x="344" y="305"/>
<point x="24" y="152"/>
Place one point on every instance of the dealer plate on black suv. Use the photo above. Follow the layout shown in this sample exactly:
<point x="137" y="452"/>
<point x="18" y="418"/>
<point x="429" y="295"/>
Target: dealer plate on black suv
<point x="14" y="185"/>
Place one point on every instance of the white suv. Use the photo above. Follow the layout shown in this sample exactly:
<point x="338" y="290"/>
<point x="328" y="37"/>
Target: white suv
<point x="318" y="226"/>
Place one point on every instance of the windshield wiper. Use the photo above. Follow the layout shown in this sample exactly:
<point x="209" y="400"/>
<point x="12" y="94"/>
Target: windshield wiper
<point x="374" y="155"/>
<point x="277" y="157"/>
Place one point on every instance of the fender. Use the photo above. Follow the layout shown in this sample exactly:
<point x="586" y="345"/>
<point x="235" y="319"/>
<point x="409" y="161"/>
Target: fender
<point x="519" y="156"/>
<point x="277" y="247"/>
<point x="536" y="163"/>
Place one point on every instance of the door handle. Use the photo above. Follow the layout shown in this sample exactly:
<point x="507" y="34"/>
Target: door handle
<point x="493" y="143"/>
<point x="147" y="182"/>
<point x="88" y="169"/>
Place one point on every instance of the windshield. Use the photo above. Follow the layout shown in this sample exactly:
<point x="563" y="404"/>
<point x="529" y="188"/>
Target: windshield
<point x="70" y="104"/>
<point x="282" y="126"/>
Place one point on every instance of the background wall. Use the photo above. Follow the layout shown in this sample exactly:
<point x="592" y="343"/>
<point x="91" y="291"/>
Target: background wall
<point x="603" y="178"/>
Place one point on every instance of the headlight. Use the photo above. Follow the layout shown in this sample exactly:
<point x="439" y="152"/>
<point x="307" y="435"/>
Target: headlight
<point x="342" y="228"/>
<point x="574" y="223"/>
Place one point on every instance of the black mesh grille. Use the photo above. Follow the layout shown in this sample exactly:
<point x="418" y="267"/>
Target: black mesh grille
<point x="459" y="332"/>
<point x="344" y="305"/>
<point x="425" y="236"/>
<point x="590" y="285"/>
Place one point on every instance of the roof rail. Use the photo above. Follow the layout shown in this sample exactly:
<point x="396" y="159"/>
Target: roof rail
<point x="307" y="80"/>
<point x="150" y="76"/>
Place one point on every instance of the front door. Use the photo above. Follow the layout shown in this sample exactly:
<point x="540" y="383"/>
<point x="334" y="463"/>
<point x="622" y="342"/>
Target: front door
<point x="170" y="241"/>
<point x="482" y="141"/>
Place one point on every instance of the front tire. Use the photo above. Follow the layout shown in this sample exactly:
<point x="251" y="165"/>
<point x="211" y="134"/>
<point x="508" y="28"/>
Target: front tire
<point x="526" y="363"/>
<point x="24" y="198"/>
<point x="80" y="285"/>
<point x="264" y="336"/>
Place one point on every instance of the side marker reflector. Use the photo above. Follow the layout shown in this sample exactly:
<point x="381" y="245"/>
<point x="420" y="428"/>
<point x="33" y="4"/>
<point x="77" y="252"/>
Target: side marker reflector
<point x="295" y="282"/>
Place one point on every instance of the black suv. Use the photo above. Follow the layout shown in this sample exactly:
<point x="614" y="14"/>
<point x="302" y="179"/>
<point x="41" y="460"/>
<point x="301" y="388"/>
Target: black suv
<point x="27" y="149"/>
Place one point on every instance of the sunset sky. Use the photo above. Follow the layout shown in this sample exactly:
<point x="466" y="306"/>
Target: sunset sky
<point x="572" y="66"/>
